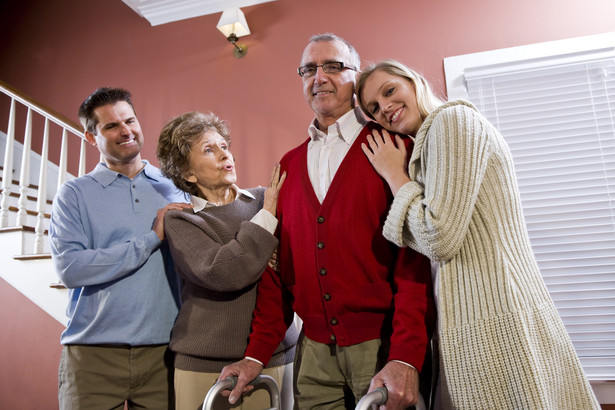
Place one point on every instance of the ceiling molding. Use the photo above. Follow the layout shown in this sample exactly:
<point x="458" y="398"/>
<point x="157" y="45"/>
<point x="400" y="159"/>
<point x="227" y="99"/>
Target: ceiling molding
<point x="166" y="11"/>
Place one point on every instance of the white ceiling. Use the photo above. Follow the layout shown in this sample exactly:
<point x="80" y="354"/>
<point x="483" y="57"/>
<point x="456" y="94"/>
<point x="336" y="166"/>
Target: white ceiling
<point x="165" y="11"/>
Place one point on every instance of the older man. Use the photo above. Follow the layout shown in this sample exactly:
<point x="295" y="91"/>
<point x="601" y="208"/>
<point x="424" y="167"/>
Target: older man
<point x="366" y="306"/>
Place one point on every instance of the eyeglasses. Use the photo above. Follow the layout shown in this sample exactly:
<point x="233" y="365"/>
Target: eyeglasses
<point x="333" y="67"/>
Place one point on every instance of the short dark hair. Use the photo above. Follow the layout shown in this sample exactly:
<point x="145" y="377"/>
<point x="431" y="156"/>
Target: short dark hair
<point x="100" y="97"/>
<point x="176" y="140"/>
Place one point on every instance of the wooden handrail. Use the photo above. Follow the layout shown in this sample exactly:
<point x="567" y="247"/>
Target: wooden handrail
<point x="67" y="126"/>
<point x="53" y="116"/>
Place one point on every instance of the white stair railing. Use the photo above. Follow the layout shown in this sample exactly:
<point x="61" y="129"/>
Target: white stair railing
<point x="24" y="175"/>
<point x="63" y="160"/>
<point x="24" y="180"/>
<point x="41" y="198"/>
<point x="7" y="172"/>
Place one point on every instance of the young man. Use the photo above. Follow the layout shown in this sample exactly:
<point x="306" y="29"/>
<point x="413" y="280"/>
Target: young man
<point x="106" y="238"/>
<point x="367" y="307"/>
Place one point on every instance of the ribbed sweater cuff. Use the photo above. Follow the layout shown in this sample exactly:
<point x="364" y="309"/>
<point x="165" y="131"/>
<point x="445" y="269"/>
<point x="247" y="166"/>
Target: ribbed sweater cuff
<point x="394" y="224"/>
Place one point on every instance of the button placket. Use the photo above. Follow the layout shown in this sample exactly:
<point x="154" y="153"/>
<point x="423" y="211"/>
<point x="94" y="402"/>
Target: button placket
<point x="326" y="295"/>
<point x="135" y="196"/>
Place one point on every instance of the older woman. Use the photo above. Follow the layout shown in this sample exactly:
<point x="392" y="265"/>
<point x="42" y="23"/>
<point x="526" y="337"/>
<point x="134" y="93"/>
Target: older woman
<point x="220" y="249"/>
<point x="502" y="343"/>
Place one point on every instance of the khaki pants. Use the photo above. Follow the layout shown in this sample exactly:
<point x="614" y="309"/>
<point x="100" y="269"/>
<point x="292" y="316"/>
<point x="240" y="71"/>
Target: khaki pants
<point x="192" y="387"/>
<point x="103" y="377"/>
<point x="330" y="377"/>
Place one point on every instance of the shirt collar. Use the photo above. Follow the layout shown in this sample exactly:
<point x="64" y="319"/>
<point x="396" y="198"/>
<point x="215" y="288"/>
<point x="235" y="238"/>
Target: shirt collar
<point x="151" y="171"/>
<point x="348" y="126"/>
<point x="105" y="176"/>
<point x="198" y="203"/>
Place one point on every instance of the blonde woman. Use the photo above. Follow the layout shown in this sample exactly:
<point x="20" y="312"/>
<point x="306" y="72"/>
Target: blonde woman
<point x="502" y="343"/>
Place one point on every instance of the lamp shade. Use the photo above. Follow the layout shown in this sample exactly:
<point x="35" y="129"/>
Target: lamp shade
<point x="233" y="21"/>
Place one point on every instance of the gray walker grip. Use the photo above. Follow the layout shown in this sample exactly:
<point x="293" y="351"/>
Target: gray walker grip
<point x="230" y="382"/>
<point x="379" y="396"/>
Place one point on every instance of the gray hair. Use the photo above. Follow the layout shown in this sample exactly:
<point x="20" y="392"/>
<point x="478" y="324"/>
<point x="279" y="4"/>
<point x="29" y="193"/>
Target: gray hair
<point x="176" y="140"/>
<point x="354" y="55"/>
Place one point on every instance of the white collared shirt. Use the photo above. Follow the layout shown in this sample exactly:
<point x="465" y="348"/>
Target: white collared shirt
<point x="263" y="218"/>
<point x="326" y="151"/>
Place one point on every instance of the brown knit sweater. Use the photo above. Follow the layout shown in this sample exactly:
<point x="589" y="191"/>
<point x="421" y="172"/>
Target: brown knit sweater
<point x="220" y="257"/>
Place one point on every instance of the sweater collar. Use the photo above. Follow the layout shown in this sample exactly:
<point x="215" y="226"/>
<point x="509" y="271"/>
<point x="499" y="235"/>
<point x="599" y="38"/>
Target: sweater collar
<point x="198" y="203"/>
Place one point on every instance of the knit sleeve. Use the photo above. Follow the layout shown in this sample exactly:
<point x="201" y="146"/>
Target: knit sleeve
<point x="431" y="214"/>
<point x="201" y="258"/>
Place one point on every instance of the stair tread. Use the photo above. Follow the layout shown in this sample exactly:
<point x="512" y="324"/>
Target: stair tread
<point x="32" y="256"/>
<point x="29" y="212"/>
<point x="30" y="198"/>
<point x="21" y="228"/>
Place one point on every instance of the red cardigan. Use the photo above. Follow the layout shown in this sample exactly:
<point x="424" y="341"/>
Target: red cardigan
<point x="343" y="278"/>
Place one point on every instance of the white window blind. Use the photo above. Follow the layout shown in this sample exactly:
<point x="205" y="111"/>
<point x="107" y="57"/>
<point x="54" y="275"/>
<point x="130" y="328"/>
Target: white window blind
<point x="558" y="117"/>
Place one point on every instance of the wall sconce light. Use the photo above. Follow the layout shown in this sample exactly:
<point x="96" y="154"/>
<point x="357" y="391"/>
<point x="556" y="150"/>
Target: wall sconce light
<point x="233" y="25"/>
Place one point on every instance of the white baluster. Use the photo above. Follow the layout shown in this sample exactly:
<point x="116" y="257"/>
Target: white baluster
<point x="42" y="193"/>
<point x="7" y="173"/>
<point x="24" y="174"/>
<point x="63" y="160"/>
<point x="82" y="157"/>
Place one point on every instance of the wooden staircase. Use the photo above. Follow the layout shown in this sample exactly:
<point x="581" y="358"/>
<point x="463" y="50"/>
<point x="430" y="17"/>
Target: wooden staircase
<point x="32" y="274"/>
<point x="25" y="208"/>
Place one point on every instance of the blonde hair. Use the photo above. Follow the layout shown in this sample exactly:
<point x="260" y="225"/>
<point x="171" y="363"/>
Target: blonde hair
<point x="426" y="99"/>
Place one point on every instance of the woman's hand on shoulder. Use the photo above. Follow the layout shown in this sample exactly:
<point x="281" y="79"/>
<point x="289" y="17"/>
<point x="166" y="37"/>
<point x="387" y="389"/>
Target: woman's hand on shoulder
<point x="273" y="190"/>
<point x="388" y="158"/>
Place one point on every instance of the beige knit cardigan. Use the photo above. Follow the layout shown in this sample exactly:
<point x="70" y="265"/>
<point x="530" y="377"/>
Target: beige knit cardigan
<point x="502" y="343"/>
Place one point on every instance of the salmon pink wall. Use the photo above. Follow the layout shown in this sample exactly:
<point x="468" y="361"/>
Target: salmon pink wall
<point x="29" y="353"/>
<point x="59" y="51"/>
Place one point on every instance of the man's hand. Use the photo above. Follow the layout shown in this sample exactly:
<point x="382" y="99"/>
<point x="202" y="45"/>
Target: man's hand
<point x="246" y="370"/>
<point x="402" y="382"/>
<point x="159" y="221"/>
